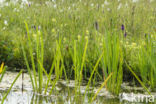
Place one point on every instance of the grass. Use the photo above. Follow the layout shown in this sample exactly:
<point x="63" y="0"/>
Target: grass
<point x="81" y="40"/>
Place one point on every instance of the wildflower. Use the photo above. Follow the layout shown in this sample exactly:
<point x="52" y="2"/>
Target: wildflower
<point x="39" y="27"/>
<point x="125" y="34"/>
<point x="0" y="15"/>
<point x="29" y="4"/>
<point x="69" y="8"/>
<point x="121" y="41"/>
<point x="79" y="37"/>
<point x="92" y="5"/>
<point x="133" y="44"/>
<point x="73" y="5"/>
<point x="126" y="4"/>
<point x="53" y="30"/>
<point x="122" y="27"/>
<point x="127" y="42"/>
<point x="6" y="22"/>
<point x="87" y="32"/>
<point x="55" y="6"/>
<point x="1" y="68"/>
<point x="53" y="0"/>
<point x="106" y="2"/>
<point x="100" y="44"/>
<point x="34" y="27"/>
<point x="86" y="37"/>
<point x="64" y="39"/>
<point x="34" y="53"/>
<point x="108" y="9"/>
<point x="53" y="20"/>
<point x="134" y="1"/>
<point x="119" y="6"/>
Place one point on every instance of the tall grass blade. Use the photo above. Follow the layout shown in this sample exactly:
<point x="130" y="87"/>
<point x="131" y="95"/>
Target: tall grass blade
<point x="138" y="79"/>
<point x="103" y="84"/>
<point x="11" y="87"/>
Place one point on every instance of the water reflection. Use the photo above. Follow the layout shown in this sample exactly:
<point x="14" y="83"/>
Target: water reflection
<point x="64" y="96"/>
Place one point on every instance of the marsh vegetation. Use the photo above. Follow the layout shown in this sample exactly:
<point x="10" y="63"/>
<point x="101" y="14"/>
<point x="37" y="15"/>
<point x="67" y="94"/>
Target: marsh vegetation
<point x="99" y="44"/>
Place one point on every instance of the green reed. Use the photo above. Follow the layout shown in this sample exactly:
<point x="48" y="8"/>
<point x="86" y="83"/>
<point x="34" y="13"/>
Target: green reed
<point x="147" y="65"/>
<point x="37" y="86"/>
<point x="112" y="61"/>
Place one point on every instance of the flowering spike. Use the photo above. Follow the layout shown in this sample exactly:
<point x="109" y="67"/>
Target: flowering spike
<point x="122" y="27"/>
<point x="125" y="34"/>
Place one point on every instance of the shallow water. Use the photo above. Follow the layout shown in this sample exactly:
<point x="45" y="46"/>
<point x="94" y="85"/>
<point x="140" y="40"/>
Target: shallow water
<point x="64" y="93"/>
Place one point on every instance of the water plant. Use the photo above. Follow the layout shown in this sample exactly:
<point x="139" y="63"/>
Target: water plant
<point x="147" y="62"/>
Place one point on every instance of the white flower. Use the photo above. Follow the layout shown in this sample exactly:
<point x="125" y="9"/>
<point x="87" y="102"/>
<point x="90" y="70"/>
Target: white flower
<point x="108" y="9"/>
<point x="69" y="8"/>
<point x="126" y="4"/>
<point x="53" y="0"/>
<point x="119" y="6"/>
<point x="39" y="27"/>
<point x="6" y="22"/>
<point x="106" y="3"/>
<point x="134" y="1"/>
<point x="55" y="6"/>
<point x="92" y="5"/>
<point x="0" y="15"/>
<point x="73" y="5"/>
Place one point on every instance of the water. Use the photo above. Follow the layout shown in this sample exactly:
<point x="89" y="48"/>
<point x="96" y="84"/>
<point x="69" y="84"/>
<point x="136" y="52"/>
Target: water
<point x="64" y="93"/>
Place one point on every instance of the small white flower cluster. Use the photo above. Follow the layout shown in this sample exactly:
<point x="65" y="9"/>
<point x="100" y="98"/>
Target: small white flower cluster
<point x="5" y="22"/>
